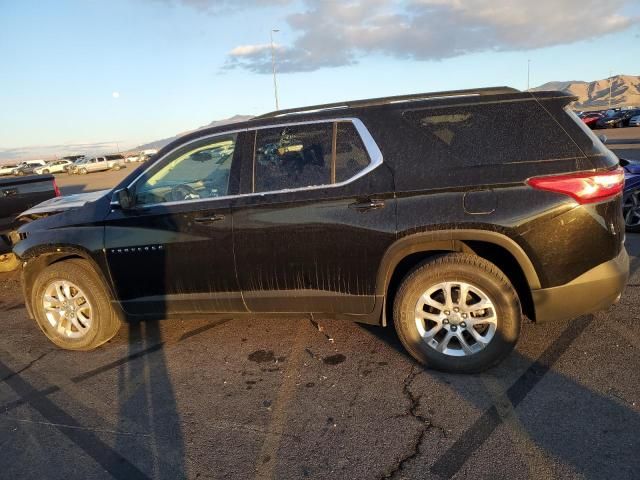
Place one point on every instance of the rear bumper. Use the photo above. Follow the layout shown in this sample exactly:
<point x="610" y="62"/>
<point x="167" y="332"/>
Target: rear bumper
<point x="594" y="290"/>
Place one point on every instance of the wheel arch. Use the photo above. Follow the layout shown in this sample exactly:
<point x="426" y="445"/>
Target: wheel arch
<point x="501" y="250"/>
<point x="35" y="261"/>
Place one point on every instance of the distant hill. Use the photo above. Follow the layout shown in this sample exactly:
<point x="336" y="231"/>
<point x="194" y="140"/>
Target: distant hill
<point x="625" y="90"/>
<point x="158" y="144"/>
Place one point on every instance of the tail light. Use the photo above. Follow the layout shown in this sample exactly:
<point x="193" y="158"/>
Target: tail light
<point x="55" y="188"/>
<point x="589" y="187"/>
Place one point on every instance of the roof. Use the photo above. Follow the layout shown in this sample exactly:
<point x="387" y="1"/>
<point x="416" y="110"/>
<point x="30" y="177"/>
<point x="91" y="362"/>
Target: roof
<point x="390" y="100"/>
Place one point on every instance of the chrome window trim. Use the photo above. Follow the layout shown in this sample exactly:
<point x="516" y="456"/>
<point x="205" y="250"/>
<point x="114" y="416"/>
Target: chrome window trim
<point x="375" y="157"/>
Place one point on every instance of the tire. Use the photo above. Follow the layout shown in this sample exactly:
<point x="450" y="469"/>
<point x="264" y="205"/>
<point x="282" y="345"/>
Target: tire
<point x="8" y="263"/>
<point x="45" y="172"/>
<point x="498" y="325"/>
<point x="83" y="171"/>
<point x="631" y="221"/>
<point x="104" y="322"/>
<point x="116" y="167"/>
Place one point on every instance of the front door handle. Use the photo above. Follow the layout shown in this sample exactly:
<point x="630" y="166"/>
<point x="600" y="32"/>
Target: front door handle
<point x="366" y="205"/>
<point x="209" y="220"/>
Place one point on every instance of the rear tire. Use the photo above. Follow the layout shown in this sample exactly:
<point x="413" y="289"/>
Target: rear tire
<point x="72" y="306"/>
<point x="45" y="172"/>
<point x="464" y="335"/>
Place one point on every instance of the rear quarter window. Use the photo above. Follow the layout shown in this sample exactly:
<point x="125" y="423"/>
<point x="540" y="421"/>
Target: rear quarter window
<point x="492" y="134"/>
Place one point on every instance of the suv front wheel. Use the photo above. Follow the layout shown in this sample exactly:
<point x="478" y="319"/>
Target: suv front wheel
<point x="457" y="313"/>
<point x="72" y="307"/>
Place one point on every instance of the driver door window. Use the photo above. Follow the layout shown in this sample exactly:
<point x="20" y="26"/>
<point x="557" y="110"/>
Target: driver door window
<point x="192" y="173"/>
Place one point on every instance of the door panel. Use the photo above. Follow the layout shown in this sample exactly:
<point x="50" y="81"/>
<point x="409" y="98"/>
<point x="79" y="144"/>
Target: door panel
<point x="176" y="259"/>
<point x="309" y="251"/>
<point x="174" y="253"/>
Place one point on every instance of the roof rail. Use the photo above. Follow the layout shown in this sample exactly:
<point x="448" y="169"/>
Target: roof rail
<point x="389" y="100"/>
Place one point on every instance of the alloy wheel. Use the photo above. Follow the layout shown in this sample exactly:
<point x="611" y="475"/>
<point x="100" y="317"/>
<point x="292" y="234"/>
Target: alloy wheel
<point x="456" y="318"/>
<point x="67" y="309"/>
<point x="631" y="208"/>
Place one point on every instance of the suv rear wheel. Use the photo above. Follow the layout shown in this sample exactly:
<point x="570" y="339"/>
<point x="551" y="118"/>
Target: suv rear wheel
<point x="72" y="307"/>
<point x="457" y="313"/>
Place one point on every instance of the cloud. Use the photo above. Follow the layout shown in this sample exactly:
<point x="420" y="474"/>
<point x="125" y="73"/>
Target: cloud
<point x="337" y="33"/>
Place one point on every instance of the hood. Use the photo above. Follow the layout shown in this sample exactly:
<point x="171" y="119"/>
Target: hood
<point x="68" y="202"/>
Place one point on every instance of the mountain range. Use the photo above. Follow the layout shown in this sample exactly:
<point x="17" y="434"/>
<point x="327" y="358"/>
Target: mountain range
<point x="157" y="144"/>
<point x="625" y="90"/>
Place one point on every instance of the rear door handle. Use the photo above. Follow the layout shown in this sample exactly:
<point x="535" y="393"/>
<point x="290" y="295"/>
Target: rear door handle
<point x="209" y="220"/>
<point x="365" y="206"/>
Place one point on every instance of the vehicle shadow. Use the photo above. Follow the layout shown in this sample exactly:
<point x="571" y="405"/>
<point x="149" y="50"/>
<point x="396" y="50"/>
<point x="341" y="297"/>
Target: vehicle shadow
<point x="146" y="398"/>
<point x="590" y="432"/>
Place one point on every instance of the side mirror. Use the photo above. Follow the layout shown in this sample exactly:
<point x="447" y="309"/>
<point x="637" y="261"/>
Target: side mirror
<point x="603" y="138"/>
<point x="124" y="198"/>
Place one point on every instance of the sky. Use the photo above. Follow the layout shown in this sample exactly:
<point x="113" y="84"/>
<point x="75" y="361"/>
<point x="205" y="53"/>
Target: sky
<point x="87" y="75"/>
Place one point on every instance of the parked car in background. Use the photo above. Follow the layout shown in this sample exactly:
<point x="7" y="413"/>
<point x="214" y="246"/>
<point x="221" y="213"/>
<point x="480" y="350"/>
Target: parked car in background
<point x="55" y="166"/>
<point x="631" y="197"/>
<point x="618" y="119"/>
<point x="86" y="165"/>
<point x="590" y="119"/>
<point x="98" y="164"/>
<point x="452" y="232"/>
<point x="8" y="169"/>
<point x="115" y="161"/>
<point x="70" y="168"/>
<point x="16" y="195"/>
<point x="132" y="157"/>
<point x="634" y="121"/>
<point x="27" y="168"/>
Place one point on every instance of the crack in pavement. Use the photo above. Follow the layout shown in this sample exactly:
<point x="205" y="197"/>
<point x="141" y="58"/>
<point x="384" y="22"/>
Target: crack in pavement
<point x="412" y="411"/>
<point x="28" y="366"/>
<point x="77" y="427"/>
<point x="320" y="328"/>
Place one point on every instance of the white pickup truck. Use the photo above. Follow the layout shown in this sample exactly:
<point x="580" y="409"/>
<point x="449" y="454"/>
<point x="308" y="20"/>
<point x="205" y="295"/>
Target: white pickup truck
<point x="99" y="164"/>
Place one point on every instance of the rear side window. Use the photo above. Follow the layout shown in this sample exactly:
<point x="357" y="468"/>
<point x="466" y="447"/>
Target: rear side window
<point x="314" y="154"/>
<point x="499" y="133"/>
<point x="293" y="157"/>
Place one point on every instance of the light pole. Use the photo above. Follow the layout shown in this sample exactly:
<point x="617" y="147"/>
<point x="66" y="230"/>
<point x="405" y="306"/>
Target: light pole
<point x="273" y="65"/>
<point x="609" y="89"/>
<point x="528" y="73"/>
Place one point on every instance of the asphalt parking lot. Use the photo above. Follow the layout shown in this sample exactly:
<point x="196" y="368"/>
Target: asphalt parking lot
<point x="275" y="398"/>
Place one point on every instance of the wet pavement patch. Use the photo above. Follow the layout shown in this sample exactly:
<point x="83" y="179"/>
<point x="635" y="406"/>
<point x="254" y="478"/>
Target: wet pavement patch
<point x="262" y="356"/>
<point x="334" y="359"/>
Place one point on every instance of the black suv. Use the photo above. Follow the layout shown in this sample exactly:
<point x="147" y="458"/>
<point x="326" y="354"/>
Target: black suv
<point x="452" y="214"/>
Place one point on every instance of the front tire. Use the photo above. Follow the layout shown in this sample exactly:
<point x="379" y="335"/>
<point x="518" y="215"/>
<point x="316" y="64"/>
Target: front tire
<point x="83" y="171"/>
<point x="72" y="307"/>
<point x="457" y="313"/>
